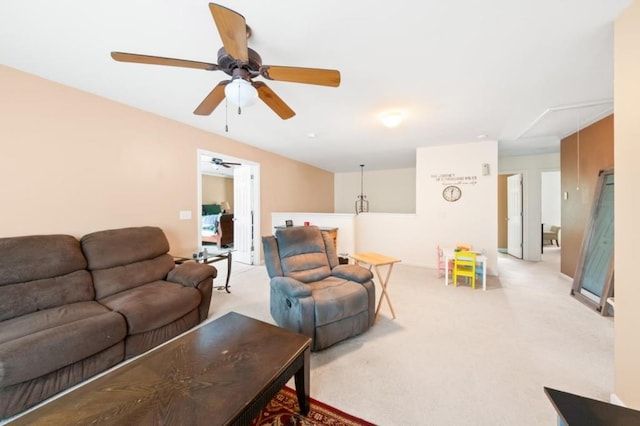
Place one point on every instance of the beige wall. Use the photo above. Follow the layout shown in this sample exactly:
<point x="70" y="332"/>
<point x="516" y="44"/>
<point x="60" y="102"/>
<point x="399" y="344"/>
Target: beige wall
<point x="216" y="189"/>
<point x="596" y="153"/>
<point x="627" y="206"/>
<point x="388" y="191"/>
<point x="72" y="162"/>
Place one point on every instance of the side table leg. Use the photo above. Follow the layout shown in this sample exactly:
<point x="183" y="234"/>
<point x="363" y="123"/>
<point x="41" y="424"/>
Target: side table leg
<point x="384" y="294"/>
<point x="302" y="383"/>
<point x="226" y="285"/>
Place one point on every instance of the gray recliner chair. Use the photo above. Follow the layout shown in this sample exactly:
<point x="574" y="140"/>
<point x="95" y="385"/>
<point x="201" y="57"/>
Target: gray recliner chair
<point x="311" y="293"/>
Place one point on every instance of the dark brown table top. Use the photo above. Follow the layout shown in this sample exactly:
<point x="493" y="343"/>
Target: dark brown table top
<point x="577" y="410"/>
<point x="207" y="376"/>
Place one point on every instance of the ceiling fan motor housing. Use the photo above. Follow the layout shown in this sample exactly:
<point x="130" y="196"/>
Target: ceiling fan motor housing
<point x="228" y="63"/>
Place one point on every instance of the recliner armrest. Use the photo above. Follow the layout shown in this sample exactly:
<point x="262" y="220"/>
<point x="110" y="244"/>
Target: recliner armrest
<point x="291" y="287"/>
<point x="355" y="273"/>
<point x="190" y="274"/>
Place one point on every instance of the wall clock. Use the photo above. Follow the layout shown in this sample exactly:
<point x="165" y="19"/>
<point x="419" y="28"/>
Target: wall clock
<point x="452" y="193"/>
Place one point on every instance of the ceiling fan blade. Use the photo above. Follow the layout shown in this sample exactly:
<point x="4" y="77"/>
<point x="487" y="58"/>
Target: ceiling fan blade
<point x="232" y="164"/>
<point x="158" y="60"/>
<point x="233" y="31"/>
<point x="212" y="100"/>
<point x="273" y="101"/>
<point x="317" y="76"/>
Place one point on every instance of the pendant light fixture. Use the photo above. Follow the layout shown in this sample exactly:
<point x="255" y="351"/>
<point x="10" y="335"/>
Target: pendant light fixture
<point x="362" y="205"/>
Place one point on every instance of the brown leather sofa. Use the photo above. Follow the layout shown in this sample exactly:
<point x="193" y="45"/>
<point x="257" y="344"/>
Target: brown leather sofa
<point x="71" y="309"/>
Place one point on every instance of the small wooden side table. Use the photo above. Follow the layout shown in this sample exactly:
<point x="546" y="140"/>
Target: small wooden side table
<point x="376" y="260"/>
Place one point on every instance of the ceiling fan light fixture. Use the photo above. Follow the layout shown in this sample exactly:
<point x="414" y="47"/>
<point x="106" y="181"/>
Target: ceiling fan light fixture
<point x="240" y="92"/>
<point x="392" y="119"/>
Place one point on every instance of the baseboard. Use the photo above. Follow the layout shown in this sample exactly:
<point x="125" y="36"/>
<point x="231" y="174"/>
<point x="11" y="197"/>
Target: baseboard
<point x="566" y="277"/>
<point x="613" y="398"/>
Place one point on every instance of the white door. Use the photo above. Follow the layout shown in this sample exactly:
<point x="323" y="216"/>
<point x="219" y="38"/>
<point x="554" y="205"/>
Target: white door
<point x="243" y="214"/>
<point x="514" y="215"/>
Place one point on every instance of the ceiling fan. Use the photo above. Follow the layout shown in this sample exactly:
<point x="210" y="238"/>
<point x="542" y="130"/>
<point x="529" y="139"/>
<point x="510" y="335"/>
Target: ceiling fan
<point x="220" y="162"/>
<point x="243" y="64"/>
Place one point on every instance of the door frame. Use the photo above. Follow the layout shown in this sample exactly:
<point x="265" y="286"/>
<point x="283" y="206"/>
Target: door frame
<point x="525" y="211"/>
<point x="255" y="170"/>
<point x="521" y="218"/>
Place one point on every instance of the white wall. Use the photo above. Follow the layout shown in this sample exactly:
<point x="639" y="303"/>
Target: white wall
<point x="473" y="219"/>
<point x="413" y="237"/>
<point x="470" y="220"/>
<point x="531" y="167"/>
<point x="388" y="191"/>
<point x="550" y="199"/>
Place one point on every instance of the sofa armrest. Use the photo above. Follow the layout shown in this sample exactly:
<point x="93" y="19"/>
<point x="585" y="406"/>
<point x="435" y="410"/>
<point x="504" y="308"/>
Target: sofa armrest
<point x="190" y="274"/>
<point x="355" y="273"/>
<point x="291" y="287"/>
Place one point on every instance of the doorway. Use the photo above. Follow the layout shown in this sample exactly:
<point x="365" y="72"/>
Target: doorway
<point x="514" y="215"/>
<point x="246" y="201"/>
<point x="550" y="204"/>
<point x="510" y="214"/>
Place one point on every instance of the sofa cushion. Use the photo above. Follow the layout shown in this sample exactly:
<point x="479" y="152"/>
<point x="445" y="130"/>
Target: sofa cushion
<point x="116" y="247"/>
<point x="41" y="342"/>
<point x="121" y="259"/>
<point x="302" y="253"/>
<point x="25" y="298"/>
<point x="337" y="299"/>
<point x="41" y="271"/>
<point x="153" y="305"/>
<point x="38" y="256"/>
<point x="110" y="281"/>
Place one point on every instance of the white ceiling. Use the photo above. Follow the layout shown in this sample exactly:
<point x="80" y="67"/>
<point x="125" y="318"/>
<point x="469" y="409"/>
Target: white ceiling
<point x="524" y="72"/>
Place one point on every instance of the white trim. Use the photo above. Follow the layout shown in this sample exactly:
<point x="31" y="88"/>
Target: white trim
<point x="255" y="169"/>
<point x="570" y="106"/>
<point x="566" y="277"/>
<point x="614" y="399"/>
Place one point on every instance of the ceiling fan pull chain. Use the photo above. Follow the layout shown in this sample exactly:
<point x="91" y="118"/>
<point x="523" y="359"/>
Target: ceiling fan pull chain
<point x="226" y="115"/>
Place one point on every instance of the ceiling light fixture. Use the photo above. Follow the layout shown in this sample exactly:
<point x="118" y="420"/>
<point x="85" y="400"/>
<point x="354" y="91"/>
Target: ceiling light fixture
<point x="392" y="119"/>
<point x="240" y="92"/>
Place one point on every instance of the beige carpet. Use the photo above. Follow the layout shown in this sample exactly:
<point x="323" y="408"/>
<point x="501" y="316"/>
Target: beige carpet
<point x="455" y="356"/>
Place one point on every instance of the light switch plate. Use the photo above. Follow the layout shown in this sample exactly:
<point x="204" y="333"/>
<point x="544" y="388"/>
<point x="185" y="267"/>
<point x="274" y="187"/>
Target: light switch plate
<point x="185" y="214"/>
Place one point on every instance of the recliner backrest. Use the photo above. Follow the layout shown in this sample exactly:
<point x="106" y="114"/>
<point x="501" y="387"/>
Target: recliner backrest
<point x="120" y="259"/>
<point x="41" y="271"/>
<point x="303" y="253"/>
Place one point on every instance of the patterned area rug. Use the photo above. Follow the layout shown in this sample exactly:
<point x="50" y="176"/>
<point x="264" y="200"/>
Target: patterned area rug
<point x="283" y="410"/>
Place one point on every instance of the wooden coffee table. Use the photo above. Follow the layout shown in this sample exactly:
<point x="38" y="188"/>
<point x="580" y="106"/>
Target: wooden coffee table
<point x="222" y="373"/>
